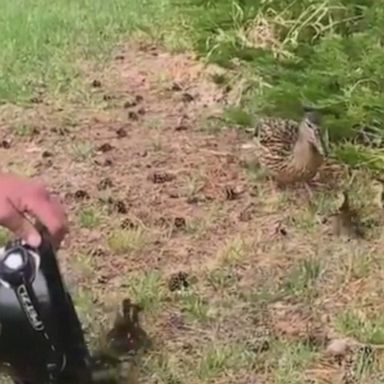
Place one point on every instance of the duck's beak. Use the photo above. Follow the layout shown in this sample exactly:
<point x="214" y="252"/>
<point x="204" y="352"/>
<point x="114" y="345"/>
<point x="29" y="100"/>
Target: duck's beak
<point x="319" y="145"/>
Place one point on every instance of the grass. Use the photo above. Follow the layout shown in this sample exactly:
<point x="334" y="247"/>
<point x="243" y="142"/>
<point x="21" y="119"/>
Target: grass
<point x="41" y="39"/>
<point x="295" y="358"/>
<point x="195" y="307"/>
<point x="233" y="251"/>
<point x="81" y="151"/>
<point x="23" y="130"/>
<point x="127" y="240"/>
<point x="147" y="289"/>
<point x="301" y="281"/>
<point x="284" y="53"/>
<point x="89" y="217"/>
<point x="288" y="53"/>
<point x="217" y="359"/>
<point x="365" y="330"/>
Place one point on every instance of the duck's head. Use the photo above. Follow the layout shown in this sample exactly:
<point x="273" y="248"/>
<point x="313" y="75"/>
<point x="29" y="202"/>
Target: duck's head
<point x="310" y="131"/>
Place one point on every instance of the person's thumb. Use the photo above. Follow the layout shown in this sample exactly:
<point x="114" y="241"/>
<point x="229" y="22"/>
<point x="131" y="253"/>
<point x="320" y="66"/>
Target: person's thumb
<point x="23" y="228"/>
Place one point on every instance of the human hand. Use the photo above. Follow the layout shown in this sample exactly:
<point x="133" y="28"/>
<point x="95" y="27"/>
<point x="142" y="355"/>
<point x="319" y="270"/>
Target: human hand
<point x="20" y="196"/>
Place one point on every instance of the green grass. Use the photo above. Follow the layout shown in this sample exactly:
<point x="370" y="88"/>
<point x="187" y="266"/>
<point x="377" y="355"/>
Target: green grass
<point x="81" y="151"/>
<point x="301" y="281"/>
<point x="89" y="217"/>
<point x="324" y="53"/>
<point x="321" y="52"/>
<point x="40" y="40"/>
<point x="127" y="240"/>
<point x="147" y="289"/>
<point x="365" y="330"/>
<point x="217" y="359"/>
<point x="195" y="307"/>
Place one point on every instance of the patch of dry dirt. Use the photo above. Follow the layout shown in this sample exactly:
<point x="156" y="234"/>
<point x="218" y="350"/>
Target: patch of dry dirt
<point x="140" y="151"/>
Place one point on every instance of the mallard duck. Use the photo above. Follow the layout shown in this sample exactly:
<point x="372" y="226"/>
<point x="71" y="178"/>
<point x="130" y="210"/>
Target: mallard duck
<point x="290" y="151"/>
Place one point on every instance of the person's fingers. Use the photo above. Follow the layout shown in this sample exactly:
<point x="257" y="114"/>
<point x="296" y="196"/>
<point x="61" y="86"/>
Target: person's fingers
<point x="22" y="228"/>
<point x="50" y="213"/>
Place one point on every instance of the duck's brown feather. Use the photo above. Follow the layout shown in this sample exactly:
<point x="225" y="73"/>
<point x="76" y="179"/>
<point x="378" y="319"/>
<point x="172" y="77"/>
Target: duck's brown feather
<point x="276" y="140"/>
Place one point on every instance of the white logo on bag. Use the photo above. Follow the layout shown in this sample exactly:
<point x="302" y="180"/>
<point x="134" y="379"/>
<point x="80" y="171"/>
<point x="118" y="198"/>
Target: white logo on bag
<point x="32" y="315"/>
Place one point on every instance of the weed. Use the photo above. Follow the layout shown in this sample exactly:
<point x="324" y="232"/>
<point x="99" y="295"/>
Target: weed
<point x="356" y="324"/>
<point x="157" y="145"/>
<point x="323" y="204"/>
<point x="218" y="359"/>
<point x="238" y="116"/>
<point x="302" y="280"/>
<point x="192" y="187"/>
<point x="82" y="151"/>
<point x="83" y="301"/>
<point x="147" y="289"/>
<point x="359" y="264"/>
<point x="164" y="368"/>
<point x="155" y="124"/>
<point x="211" y="125"/>
<point x="291" y="360"/>
<point x="304" y="220"/>
<point x="89" y="217"/>
<point x="23" y="130"/>
<point x="196" y="226"/>
<point x="83" y="265"/>
<point x="195" y="307"/>
<point x="222" y="278"/>
<point x="254" y="171"/>
<point x="234" y="251"/>
<point x="22" y="168"/>
<point x="219" y="79"/>
<point x="127" y="240"/>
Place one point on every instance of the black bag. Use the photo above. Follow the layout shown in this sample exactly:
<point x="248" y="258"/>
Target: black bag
<point x="41" y="340"/>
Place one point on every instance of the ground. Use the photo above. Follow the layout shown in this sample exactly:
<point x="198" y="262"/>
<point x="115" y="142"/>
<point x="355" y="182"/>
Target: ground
<point x="157" y="184"/>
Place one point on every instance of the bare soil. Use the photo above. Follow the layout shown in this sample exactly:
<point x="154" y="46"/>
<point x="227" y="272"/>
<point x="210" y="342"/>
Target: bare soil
<point x="143" y="144"/>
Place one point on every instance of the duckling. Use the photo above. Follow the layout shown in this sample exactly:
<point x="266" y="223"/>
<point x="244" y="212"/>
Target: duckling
<point x="116" y="361"/>
<point x="291" y="152"/>
<point x="347" y="221"/>
<point x="126" y="335"/>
